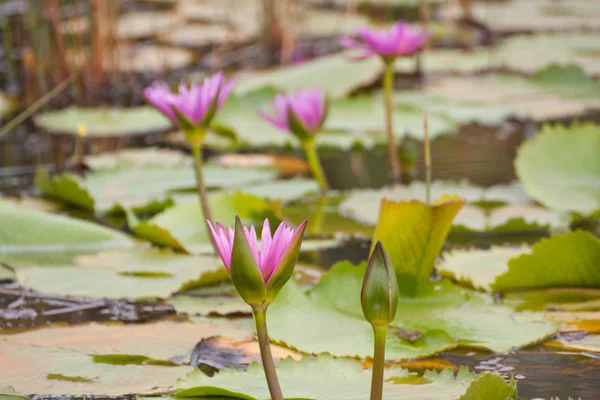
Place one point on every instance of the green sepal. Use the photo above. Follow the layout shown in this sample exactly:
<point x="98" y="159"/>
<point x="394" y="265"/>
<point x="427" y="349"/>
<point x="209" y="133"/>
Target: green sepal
<point x="325" y="110"/>
<point x="379" y="294"/>
<point x="286" y="265"/>
<point x="297" y="127"/>
<point x="212" y="110"/>
<point x="244" y="271"/>
<point x="184" y="123"/>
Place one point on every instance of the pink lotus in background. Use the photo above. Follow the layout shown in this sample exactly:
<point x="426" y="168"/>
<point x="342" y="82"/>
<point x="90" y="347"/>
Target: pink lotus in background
<point x="307" y="107"/>
<point x="303" y="114"/>
<point x="273" y="248"/>
<point x="400" y="40"/>
<point x="197" y="104"/>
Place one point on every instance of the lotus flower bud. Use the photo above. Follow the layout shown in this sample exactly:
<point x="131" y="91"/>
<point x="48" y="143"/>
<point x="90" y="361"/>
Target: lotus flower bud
<point x="379" y="295"/>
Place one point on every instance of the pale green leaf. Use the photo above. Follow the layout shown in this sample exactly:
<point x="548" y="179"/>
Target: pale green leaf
<point x="551" y="175"/>
<point x="327" y="378"/>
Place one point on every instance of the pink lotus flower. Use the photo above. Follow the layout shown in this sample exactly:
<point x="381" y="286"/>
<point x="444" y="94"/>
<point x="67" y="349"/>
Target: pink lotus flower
<point x="196" y="104"/>
<point x="272" y="248"/>
<point x="301" y="113"/>
<point x="400" y="40"/>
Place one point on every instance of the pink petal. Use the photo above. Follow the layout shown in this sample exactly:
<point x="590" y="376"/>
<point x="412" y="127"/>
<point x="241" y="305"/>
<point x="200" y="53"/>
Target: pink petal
<point x="290" y="239"/>
<point x="221" y="243"/>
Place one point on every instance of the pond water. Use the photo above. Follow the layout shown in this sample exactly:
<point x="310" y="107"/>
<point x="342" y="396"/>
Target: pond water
<point x="481" y="150"/>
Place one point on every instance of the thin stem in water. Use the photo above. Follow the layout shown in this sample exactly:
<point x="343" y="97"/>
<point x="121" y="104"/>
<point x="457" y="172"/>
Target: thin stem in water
<point x="388" y="89"/>
<point x="380" y="332"/>
<point x="260" y="317"/>
<point x="427" y="159"/>
<point x="312" y="157"/>
<point x="201" y="189"/>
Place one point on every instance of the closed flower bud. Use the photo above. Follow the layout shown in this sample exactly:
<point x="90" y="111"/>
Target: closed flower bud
<point x="379" y="295"/>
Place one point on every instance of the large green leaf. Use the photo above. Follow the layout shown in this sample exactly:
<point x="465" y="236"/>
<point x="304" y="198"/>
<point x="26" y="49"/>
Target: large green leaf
<point x="141" y="179"/>
<point x="569" y="260"/>
<point x="28" y="231"/>
<point x="413" y="233"/>
<point x="329" y="319"/>
<point x="336" y="74"/>
<point x="60" y="359"/>
<point x="137" y="273"/>
<point x="104" y="121"/>
<point x="327" y="378"/>
<point x="553" y="176"/>
<point x="183" y="227"/>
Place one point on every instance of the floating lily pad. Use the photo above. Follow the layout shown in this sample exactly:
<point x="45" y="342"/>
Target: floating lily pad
<point x="556" y="179"/>
<point x="318" y="22"/>
<point x="26" y="231"/>
<point x="145" y="24"/>
<point x="183" y="228"/>
<point x="138" y="273"/>
<point x="335" y="74"/>
<point x="328" y="378"/>
<point x="567" y="260"/>
<point x="224" y="305"/>
<point x="531" y="15"/>
<point x="436" y="310"/>
<point x="30" y="357"/>
<point x="366" y="114"/>
<point x="589" y="343"/>
<point x="529" y="53"/>
<point x="490" y="209"/>
<point x="141" y="179"/>
<point x="201" y="35"/>
<point x="569" y="299"/>
<point x="450" y="61"/>
<point x="112" y="122"/>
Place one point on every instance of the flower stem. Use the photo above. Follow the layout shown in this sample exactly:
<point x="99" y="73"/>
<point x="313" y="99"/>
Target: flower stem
<point x="260" y="318"/>
<point x="388" y="89"/>
<point x="427" y="159"/>
<point x="201" y="189"/>
<point x="312" y="157"/>
<point x="380" y="332"/>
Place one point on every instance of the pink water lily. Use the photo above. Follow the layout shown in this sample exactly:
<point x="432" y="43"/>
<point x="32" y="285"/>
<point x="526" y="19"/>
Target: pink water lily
<point x="400" y="40"/>
<point x="308" y="107"/>
<point x="272" y="250"/>
<point x="197" y="103"/>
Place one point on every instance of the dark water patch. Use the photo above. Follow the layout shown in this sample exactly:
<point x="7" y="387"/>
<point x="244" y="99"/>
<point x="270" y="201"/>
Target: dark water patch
<point x="24" y="309"/>
<point x="539" y="374"/>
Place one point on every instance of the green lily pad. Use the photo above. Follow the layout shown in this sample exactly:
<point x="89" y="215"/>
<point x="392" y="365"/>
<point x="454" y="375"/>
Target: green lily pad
<point x="104" y="122"/>
<point x="529" y="53"/>
<point x="183" y="228"/>
<point x="327" y="378"/>
<point x="139" y="273"/>
<point x="500" y="208"/>
<point x="444" y="61"/>
<point x="32" y="360"/>
<point x="590" y="343"/>
<point x="285" y="191"/>
<point x="222" y="305"/>
<point x="532" y="15"/>
<point x="569" y="299"/>
<point x="568" y="260"/>
<point x="8" y="393"/>
<point x="436" y="310"/>
<point x="366" y="114"/>
<point x="26" y="231"/>
<point x="142" y="180"/>
<point x="336" y="74"/>
<point x="556" y="179"/>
